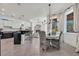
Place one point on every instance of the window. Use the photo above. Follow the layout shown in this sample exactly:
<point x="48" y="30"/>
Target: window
<point x="70" y="22"/>
<point x="54" y="26"/>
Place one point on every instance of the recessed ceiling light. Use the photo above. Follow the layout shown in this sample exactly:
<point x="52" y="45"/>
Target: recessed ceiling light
<point x="2" y="9"/>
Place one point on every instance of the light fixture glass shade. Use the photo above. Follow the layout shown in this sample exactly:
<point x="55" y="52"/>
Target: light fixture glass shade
<point x="2" y="9"/>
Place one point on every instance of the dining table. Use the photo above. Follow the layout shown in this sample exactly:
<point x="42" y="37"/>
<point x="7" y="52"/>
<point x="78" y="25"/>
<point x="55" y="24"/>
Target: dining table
<point x="52" y="37"/>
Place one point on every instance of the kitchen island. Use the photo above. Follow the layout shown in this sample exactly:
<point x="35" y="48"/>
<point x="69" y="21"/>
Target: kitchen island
<point x="9" y="33"/>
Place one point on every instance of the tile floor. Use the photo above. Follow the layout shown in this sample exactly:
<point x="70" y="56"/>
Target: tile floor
<point x="9" y="49"/>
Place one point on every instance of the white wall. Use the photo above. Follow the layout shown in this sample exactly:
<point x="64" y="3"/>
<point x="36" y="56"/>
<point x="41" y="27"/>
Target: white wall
<point x="76" y="17"/>
<point x="39" y="21"/>
<point x="14" y="23"/>
<point x="71" y="38"/>
<point x="17" y="23"/>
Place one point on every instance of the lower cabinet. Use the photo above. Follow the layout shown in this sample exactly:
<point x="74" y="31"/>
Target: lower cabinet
<point x="7" y="35"/>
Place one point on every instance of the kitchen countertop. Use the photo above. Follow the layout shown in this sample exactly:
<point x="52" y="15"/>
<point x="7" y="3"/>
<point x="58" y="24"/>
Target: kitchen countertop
<point x="9" y="30"/>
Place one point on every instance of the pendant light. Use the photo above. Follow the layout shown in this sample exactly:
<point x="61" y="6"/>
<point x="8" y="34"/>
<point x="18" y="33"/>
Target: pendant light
<point x="49" y="14"/>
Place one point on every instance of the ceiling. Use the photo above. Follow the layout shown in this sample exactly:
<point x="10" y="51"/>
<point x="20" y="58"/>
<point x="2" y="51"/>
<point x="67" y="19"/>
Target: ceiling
<point x="27" y="11"/>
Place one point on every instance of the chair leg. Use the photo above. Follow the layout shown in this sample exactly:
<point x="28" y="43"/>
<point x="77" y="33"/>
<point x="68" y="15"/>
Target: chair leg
<point x="58" y="45"/>
<point x="44" y="50"/>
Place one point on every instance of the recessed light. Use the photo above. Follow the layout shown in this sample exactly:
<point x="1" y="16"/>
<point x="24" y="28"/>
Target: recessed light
<point x="2" y="9"/>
